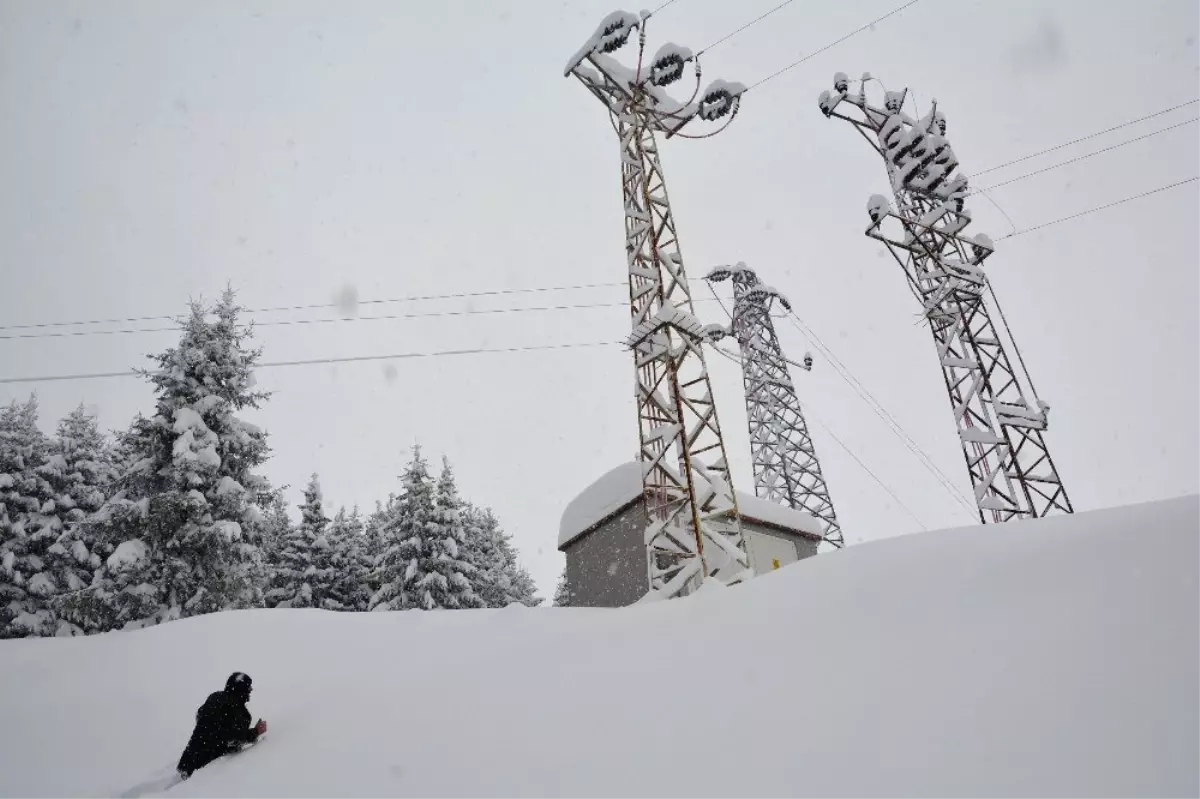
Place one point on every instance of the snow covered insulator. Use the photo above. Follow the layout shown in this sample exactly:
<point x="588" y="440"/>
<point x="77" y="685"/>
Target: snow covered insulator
<point x="982" y="247"/>
<point x="611" y="34"/>
<point x="758" y="295"/>
<point x="894" y="101"/>
<point x="878" y="207"/>
<point x="719" y="273"/>
<point x="667" y="65"/>
<point x="808" y="361"/>
<point x="714" y="332"/>
<point x="615" y="30"/>
<point x="762" y="295"/>
<point x="720" y="98"/>
<point x="943" y="163"/>
<point x="828" y="102"/>
<point x="954" y="193"/>
<point x="892" y="136"/>
<point x="841" y="83"/>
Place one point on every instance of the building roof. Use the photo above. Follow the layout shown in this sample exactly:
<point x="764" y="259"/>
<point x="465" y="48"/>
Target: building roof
<point x="619" y="488"/>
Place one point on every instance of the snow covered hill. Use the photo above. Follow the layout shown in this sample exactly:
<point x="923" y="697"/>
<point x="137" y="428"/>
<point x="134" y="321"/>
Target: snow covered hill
<point x="1046" y="658"/>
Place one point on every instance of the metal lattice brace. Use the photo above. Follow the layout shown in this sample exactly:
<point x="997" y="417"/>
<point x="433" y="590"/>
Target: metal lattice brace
<point x="1000" y="421"/>
<point x="786" y="469"/>
<point x="693" y="530"/>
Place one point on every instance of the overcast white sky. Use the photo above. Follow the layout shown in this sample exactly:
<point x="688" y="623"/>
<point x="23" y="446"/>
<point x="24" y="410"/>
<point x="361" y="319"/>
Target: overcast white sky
<point x="150" y="152"/>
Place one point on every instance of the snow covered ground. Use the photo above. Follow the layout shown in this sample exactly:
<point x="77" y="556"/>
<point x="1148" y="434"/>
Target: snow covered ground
<point x="1047" y="658"/>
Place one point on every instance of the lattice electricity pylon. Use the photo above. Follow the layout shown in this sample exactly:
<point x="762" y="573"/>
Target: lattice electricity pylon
<point x="999" y="417"/>
<point x="693" y="527"/>
<point x="786" y="469"/>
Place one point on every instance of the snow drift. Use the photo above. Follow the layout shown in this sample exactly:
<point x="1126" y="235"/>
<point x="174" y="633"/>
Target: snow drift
<point x="1056" y="657"/>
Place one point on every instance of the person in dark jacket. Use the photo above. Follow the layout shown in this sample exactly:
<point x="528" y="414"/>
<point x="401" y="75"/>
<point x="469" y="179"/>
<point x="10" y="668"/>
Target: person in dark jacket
<point x="222" y="725"/>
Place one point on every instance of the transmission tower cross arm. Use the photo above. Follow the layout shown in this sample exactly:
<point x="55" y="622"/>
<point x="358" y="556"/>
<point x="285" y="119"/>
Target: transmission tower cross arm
<point x="786" y="468"/>
<point x="999" y="418"/>
<point x="693" y="527"/>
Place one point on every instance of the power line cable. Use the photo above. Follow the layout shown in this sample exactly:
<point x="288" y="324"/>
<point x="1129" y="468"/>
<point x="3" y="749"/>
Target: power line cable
<point x="879" y="410"/>
<point x="1085" y="157"/>
<point x="834" y="43"/>
<point x="867" y="469"/>
<point x="318" y="361"/>
<point x="1085" y="138"/>
<point x="1100" y="208"/>
<point x="660" y="8"/>
<point x="320" y="305"/>
<point x="282" y="322"/>
<point x="810" y="415"/>
<point x="749" y="24"/>
<point x="873" y="404"/>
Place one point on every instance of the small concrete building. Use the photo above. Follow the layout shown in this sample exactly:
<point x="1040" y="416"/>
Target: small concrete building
<point x="601" y="534"/>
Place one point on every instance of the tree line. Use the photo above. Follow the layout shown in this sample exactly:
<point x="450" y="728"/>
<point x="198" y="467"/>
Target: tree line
<point x="171" y="518"/>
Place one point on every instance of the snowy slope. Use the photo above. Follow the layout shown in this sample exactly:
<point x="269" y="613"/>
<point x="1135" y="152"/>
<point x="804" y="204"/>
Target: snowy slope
<point x="1046" y="658"/>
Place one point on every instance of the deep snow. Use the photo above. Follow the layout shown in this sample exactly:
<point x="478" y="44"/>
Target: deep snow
<point x="1037" y="658"/>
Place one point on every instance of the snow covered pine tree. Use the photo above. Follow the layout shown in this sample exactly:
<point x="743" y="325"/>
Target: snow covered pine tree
<point x="350" y="561"/>
<point x="562" y="593"/>
<point x="28" y="524"/>
<point x="499" y="579"/>
<point x="303" y="571"/>
<point x="422" y="566"/>
<point x="186" y="513"/>
<point x="81" y="472"/>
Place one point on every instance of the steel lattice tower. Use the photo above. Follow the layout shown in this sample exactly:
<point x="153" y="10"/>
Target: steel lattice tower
<point x="693" y="527"/>
<point x="1001" y="423"/>
<point x="786" y="469"/>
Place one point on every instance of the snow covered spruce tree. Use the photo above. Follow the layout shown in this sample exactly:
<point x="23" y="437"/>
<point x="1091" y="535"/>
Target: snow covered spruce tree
<point x="81" y="472"/>
<point x="562" y="592"/>
<point x="349" y="561"/>
<point x="276" y="526"/>
<point x="28" y="524"/>
<point x="373" y="545"/>
<point x="499" y="579"/>
<point x="187" y="514"/>
<point x="303" y="572"/>
<point x="422" y="566"/>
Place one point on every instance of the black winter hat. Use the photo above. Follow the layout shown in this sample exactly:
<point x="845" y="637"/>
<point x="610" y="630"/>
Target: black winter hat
<point x="239" y="682"/>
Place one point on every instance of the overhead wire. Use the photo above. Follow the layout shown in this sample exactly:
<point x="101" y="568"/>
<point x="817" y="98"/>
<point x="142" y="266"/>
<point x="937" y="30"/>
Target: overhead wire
<point x="1085" y="157"/>
<point x="660" y="8"/>
<point x="832" y="44"/>
<point x="1085" y="138"/>
<point x="749" y="24"/>
<point x="332" y="320"/>
<point x="320" y="305"/>
<point x="873" y="404"/>
<point x="319" y="361"/>
<point x="810" y="415"/>
<point x="884" y="415"/>
<point x="1104" y="207"/>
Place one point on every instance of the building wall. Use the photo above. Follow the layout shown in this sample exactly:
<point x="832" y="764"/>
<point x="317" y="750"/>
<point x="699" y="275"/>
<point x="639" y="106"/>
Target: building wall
<point x="607" y="567"/>
<point x="761" y="556"/>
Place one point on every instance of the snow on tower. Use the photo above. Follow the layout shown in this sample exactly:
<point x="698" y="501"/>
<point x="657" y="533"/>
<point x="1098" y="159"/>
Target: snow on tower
<point x="1000" y="420"/>
<point x="786" y="469"/>
<point x="693" y="529"/>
